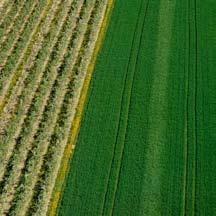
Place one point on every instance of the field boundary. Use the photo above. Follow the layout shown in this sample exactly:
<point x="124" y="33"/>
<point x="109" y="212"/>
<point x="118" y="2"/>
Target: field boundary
<point x="64" y="167"/>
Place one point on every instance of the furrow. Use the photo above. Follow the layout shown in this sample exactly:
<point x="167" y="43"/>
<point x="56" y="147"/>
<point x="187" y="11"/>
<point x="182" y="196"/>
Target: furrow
<point x="18" y="38"/>
<point x="10" y="133"/>
<point x="196" y="109"/>
<point x="192" y="113"/>
<point x="51" y="184"/>
<point x="41" y="50"/>
<point x="186" y="152"/>
<point x="113" y="181"/>
<point x="44" y="72"/>
<point x="41" y="142"/>
<point x="34" y="123"/>
<point x="10" y="42"/>
<point x="10" y="107"/>
<point x="60" y="137"/>
<point x="12" y="24"/>
<point x="12" y="72"/>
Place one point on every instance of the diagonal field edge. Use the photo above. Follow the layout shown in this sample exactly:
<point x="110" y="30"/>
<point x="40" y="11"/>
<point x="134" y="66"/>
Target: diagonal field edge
<point x="56" y="197"/>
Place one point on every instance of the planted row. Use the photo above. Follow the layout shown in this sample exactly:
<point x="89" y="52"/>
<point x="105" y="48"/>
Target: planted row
<point x="41" y="142"/>
<point x="14" y="111"/>
<point x="45" y="92"/>
<point x="61" y="135"/>
<point x="11" y="107"/>
<point x="13" y="69"/>
<point x="17" y="19"/>
<point x="46" y="127"/>
<point x="6" y="11"/>
<point x="11" y="39"/>
<point x="44" y="86"/>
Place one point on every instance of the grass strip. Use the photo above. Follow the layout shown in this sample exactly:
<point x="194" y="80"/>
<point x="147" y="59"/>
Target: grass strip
<point x="84" y="185"/>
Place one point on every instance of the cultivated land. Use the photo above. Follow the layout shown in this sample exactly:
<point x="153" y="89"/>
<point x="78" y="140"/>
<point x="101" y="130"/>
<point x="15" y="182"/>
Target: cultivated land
<point x="146" y="145"/>
<point x="145" y="142"/>
<point x="45" y="50"/>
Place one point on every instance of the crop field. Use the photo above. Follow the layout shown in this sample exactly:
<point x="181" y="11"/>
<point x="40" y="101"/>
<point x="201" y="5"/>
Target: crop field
<point x="45" y="50"/>
<point x="147" y="141"/>
<point x="107" y="107"/>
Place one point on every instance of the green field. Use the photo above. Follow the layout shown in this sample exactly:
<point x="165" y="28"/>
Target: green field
<point x="146" y="145"/>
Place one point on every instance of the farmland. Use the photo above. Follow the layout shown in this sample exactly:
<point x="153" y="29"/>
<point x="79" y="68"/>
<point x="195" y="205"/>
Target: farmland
<point x="45" y="50"/>
<point x="146" y="144"/>
<point x="107" y="107"/>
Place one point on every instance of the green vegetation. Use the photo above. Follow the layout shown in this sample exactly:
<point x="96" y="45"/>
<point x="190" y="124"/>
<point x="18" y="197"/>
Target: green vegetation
<point x="146" y="142"/>
<point x="7" y="12"/>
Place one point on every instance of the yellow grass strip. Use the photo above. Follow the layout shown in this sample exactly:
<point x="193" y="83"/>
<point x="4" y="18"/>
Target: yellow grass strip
<point x="77" y="119"/>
